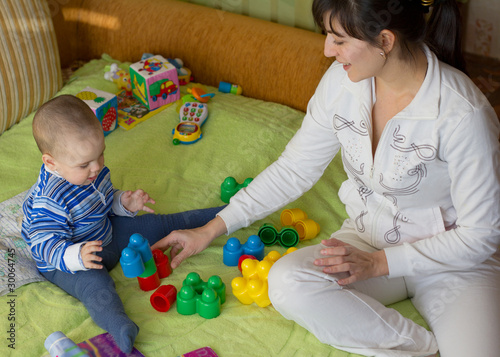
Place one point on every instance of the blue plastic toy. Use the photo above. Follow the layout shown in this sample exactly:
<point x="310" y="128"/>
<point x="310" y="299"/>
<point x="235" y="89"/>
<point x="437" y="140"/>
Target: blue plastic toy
<point x="233" y="250"/>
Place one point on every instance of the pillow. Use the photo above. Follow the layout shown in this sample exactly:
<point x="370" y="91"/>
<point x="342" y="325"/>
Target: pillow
<point x="17" y="267"/>
<point x="30" y="72"/>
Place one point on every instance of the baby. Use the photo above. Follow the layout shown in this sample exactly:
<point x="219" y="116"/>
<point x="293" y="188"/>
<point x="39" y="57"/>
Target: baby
<point x="77" y="224"/>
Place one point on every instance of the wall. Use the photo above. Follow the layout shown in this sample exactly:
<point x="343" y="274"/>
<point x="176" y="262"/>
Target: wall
<point x="482" y="28"/>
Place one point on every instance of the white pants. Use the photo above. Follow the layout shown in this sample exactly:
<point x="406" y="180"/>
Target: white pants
<point x="461" y="308"/>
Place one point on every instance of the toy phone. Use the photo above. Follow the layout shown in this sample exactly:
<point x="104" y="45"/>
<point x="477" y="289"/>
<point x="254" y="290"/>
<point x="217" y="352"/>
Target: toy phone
<point x="192" y="116"/>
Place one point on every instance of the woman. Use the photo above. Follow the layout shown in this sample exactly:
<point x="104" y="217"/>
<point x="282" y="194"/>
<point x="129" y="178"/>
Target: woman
<point x="420" y="148"/>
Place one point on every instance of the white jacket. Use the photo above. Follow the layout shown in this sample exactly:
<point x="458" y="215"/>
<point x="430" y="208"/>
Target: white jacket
<point x="431" y="195"/>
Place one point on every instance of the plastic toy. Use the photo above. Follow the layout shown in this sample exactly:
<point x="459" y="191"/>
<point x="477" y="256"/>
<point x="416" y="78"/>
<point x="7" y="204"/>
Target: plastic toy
<point x="230" y="186"/>
<point x="200" y="95"/>
<point x="204" y="298"/>
<point x="184" y="74"/>
<point x="163" y="298"/>
<point x="252" y="287"/>
<point x="162" y="264"/>
<point x="233" y="250"/>
<point x="154" y="82"/>
<point x="225" y="87"/>
<point x="287" y="237"/>
<point x="104" y="105"/>
<point x="120" y="76"/>
<point x="192" y="116"/>
<point x="243" y="257"/>
<point x="137" y="260"/>
<point x="59" y="345"/>
<point x="306" y="228"/>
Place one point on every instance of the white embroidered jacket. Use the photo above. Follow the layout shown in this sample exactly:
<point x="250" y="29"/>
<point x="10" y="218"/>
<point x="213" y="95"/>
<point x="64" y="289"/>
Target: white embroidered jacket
<point x="430" y="196"/>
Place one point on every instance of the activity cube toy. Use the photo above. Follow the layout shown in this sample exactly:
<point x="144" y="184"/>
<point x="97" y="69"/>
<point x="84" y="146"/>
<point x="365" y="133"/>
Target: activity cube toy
<point x="233" y="250"/>
<point x="230" y="186"/>
<point x="163" y="298"/>
<point x="104" y="105"/>
<point x="204" y="298"/>
<point x="306" y="227"/>
<point x="154" y="82"/>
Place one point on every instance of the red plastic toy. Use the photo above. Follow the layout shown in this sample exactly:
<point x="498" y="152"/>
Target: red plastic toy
<point x="162" y="264"/>
<point x="163" y="298"/>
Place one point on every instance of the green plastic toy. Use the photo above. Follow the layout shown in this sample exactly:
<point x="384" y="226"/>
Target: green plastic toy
<point x="287" y="237"/>
<point x="204" y="298"/>
<point x="230" y="186"/>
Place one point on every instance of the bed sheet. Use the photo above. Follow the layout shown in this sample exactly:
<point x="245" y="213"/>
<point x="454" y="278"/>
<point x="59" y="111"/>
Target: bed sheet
<point x="241" y="137"/>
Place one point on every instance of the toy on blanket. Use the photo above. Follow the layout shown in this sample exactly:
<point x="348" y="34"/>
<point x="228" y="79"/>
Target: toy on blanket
<point x="233" y="250"/>
<point x="192" y="116"/>
<point x="59" y="345"/>
<point x="184" y="74"/>
<point x="138" y="261"/>
<point x="120" y="76"/>
<point x="230" y="186"/>
<point x="163" y="298"/>
<point x="104" y="105"/>
<point x="306" y="227"/>
<point x="154" y="82"/>
<point x="253" y="286"/>
<point x="204" y="298"/>
<point x="225" y="87"/>
<point x="286" y="237"/>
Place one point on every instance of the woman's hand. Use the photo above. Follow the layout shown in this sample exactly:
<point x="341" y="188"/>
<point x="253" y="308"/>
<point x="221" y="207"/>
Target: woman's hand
<point x="136" y="200"/>
<point x="188" y="242"/>
<point x="88" y="256"/>
<point x="360" y="265"/>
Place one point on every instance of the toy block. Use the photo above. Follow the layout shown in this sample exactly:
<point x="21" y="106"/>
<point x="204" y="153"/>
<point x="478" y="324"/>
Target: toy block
<point x="287" y="237"/>
<point x="243" y="257"/>
<point x="104" y="105"/>
<point x="137" y="260"/>
<point x="154" y="82"/>
<point x="204" y="298"/>
<point x="163" y="298"/>
<point x="162" y="264"/>
<point x="306" y="227"/>
<point x="233" y="250"/>
<point x="230" y="186"/>
<point x="131" y="263"/>
<point x="253" y="287"/>
<point x="150" y="282"/>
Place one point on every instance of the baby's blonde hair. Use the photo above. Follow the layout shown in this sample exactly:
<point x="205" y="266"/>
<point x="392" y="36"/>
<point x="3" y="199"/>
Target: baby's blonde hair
<point x="59" y="118"/>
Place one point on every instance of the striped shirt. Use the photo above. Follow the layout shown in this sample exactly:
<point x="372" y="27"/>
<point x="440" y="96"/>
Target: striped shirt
<point x="58" y="214"/>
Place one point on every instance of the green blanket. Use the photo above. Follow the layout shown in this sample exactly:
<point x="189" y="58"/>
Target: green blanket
<point x="241" y="137"/>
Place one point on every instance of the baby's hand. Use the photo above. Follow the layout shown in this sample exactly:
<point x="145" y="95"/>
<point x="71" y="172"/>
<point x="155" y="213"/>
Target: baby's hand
<point x="88" y="256"/>
<point x="135" y="201"/>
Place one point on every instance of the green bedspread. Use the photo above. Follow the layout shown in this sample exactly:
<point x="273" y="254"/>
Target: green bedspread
<point x="241" y="137"/>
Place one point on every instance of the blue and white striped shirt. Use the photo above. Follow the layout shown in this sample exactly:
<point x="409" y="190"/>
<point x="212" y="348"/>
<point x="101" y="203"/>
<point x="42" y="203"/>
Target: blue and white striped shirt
<point x="58" y="214"/>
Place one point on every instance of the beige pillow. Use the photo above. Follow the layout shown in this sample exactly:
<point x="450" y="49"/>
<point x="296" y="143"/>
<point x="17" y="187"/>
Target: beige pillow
<point x="30" y="72"/>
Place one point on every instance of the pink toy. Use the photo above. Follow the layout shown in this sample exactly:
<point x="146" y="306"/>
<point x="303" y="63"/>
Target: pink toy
<point x="163" y="298"/>
<point x="154" y="82"/>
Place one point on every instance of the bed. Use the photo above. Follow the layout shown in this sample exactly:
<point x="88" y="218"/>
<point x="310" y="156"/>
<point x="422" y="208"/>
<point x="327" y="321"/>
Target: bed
<point x="242" y="136"/>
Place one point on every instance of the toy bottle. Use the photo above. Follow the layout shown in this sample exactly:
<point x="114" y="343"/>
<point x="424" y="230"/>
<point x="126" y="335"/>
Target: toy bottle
<point x="59" y="345"/>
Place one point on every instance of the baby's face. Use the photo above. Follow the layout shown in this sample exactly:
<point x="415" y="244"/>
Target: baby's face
<point x="82" y="158"/>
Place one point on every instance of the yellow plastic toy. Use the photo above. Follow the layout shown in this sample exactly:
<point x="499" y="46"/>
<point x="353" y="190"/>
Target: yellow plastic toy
<point x="306" y="227"/>
<point x="253" y="287"/>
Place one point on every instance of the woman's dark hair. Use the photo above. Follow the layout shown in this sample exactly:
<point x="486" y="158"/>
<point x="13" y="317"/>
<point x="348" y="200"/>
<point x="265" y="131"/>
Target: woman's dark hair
<point x="408" y="19"/>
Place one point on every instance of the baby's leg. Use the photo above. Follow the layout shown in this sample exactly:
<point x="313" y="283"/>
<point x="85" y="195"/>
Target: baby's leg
<point x="96" y="290"/>
<point x="353" y="319"/>
<point x="156" y="226"/>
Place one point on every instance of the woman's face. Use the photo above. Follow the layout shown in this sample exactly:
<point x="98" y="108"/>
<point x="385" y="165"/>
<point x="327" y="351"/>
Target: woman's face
<point x="360" y="59"/>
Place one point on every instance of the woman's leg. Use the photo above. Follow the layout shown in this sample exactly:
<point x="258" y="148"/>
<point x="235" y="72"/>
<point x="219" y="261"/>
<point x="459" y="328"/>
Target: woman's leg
<point x="351" y="318"/>
<point x="96" y="290"/>
<point x="462" y="309"/>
